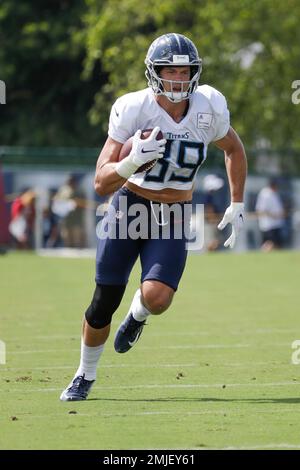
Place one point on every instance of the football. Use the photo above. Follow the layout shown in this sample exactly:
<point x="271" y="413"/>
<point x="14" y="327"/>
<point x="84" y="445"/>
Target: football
<point x="127" y="146"/>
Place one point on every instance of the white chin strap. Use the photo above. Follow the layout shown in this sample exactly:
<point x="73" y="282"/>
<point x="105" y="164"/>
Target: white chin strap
<point x="176" y="97"/>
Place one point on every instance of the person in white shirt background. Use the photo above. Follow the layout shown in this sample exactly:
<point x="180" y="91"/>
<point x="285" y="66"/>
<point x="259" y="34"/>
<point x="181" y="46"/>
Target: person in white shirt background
<point x="271" y="216"/>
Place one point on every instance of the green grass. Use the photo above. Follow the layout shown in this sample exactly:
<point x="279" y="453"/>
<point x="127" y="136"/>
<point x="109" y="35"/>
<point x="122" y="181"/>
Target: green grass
<point x="214" y="371"/>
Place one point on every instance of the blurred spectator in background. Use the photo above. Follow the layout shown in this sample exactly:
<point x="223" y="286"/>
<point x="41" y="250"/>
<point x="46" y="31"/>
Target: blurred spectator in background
<point x="51" y="233"/>
<point x="51" y="228"/>
<point x="69" y="204"/>
<point x="213" y="238"/>
<point x="22" y="220"/>
<point x="270" y="212"/>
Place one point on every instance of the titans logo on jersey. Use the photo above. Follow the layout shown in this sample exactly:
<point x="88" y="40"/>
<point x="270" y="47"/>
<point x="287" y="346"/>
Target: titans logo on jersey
<point x="207" y="120"/>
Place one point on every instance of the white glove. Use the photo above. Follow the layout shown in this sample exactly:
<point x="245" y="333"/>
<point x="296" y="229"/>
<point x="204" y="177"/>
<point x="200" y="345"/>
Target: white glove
<point x="143" y="151"/>
<point x="234" y="215"/>
<point x="146" y="150"/>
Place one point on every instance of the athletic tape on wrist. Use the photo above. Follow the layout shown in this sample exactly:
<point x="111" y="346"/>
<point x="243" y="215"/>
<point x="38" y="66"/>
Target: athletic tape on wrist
<point x="126" y="167"/>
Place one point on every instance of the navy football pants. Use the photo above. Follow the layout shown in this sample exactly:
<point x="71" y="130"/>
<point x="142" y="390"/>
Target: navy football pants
<point x="162" y="259"/>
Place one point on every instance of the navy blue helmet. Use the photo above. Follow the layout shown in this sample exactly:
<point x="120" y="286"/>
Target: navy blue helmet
<point x="173" y="50"/>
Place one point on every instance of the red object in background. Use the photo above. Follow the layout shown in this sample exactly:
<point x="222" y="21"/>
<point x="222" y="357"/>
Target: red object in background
<point x="16" y="208"/>
<point x="4" y="219"/>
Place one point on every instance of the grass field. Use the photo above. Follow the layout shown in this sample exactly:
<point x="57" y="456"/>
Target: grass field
<point x="214" y="371"/>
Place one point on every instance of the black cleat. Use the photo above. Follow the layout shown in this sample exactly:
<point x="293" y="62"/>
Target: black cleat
<point x="128" y="333"/>
<point x="78" y="389"/>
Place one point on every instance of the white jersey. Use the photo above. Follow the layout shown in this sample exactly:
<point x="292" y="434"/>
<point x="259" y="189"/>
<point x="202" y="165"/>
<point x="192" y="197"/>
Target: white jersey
<point x="207" y="120"/>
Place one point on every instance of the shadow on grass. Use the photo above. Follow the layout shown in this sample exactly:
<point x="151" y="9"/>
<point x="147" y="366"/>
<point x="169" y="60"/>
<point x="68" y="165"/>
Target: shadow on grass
<point x="256" y="401"/>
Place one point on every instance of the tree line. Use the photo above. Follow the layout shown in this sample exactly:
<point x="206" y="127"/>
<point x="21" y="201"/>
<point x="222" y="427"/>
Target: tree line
<point x="64" y="62"/>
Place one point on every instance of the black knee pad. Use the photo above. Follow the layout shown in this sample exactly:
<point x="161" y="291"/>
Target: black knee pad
<point x="105" y="302"/>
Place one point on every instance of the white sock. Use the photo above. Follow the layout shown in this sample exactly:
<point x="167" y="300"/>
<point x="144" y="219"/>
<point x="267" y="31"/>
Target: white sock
<point x="89" y="360"/>
<point x="138" y="310"/>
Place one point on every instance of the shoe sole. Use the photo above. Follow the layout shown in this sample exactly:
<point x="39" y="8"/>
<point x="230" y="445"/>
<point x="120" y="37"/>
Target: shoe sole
<point x="64" y="398"/>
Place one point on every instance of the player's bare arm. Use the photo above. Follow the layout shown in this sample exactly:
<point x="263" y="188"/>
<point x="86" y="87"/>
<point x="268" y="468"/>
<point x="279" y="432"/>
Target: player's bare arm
<point x="236" y="163"/>
<point x="107" y="180"/>
<point x="236" y="167"/>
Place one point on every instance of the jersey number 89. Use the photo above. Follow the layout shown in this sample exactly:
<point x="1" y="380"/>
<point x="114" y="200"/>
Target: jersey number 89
<point x="180" y="162"/>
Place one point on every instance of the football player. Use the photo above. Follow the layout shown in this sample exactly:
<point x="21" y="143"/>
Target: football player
<point x="190" y="117"/>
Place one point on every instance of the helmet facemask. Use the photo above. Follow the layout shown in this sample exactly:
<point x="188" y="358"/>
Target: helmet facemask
<point x="175" y="96"/>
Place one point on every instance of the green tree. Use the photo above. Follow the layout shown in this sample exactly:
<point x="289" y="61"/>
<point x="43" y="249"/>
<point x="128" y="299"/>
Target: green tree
<point x="65" y="62"/>
<point x="41" y="61"/>
<point x="251" y="53"/>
